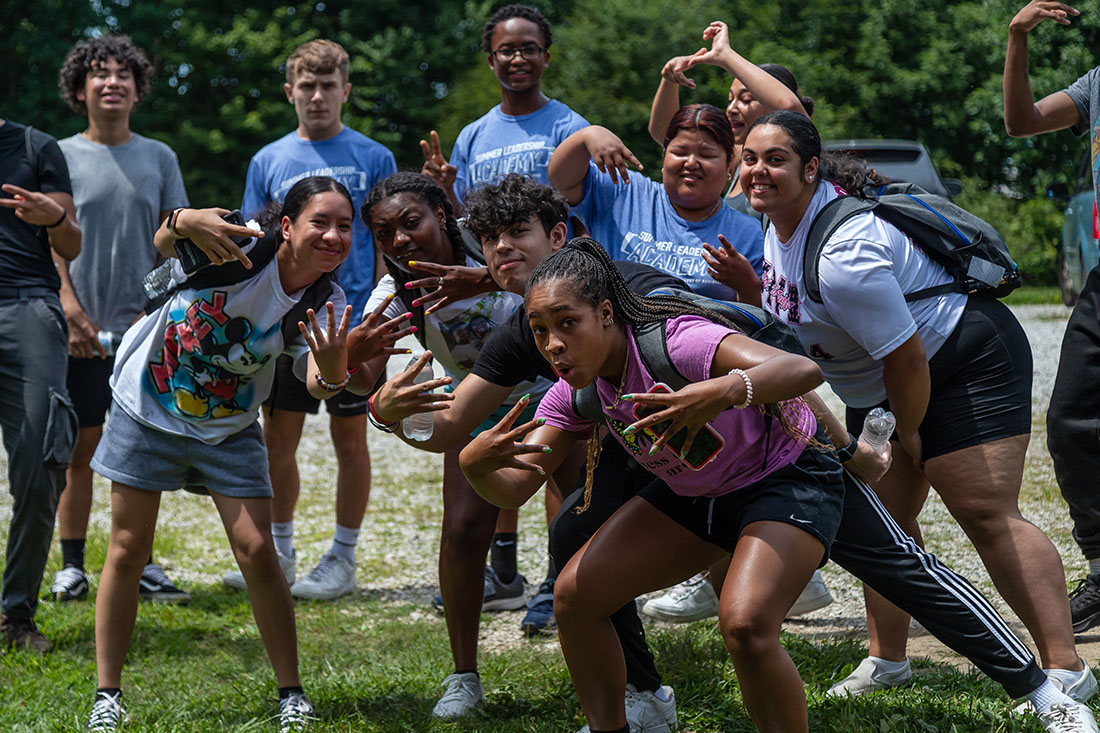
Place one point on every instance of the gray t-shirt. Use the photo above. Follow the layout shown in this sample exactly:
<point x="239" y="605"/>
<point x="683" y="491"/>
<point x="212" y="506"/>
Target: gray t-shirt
<point x="1085" y="93"/>
<point x="119" y="192"/>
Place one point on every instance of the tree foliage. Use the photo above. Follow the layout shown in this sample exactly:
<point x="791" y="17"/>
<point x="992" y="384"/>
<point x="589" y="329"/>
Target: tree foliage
<point x="915" y="69"/>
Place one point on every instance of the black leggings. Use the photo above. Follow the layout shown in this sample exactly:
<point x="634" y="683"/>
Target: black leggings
<point x="869" y="545"/>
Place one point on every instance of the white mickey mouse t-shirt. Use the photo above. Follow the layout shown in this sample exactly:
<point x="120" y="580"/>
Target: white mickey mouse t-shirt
<point x="866" y="268"/>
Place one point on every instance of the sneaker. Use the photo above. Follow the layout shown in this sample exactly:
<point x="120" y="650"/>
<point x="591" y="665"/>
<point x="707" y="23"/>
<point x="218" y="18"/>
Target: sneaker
<point x="333" y="577"/>
<point x="1074" y="718"/>
<point x="295" y="713"/>
<point x="867" y="678"/>
<point x="503" y="596"/>
<point x="647" y="713"/>
<point x="692" y="600"/>
<point x="155" y="586"/>
<point x="70" y="584"/>
<point x="462" y="696"/>
<point x="24" y="634"/>
<point x="107" y="713"/>
<point x="1080" y="686"/>
<point x="540" y="611"/>
<point x="1084" y="603"/>
<point x="289" y="566"/>
<point x="814" y="596"/>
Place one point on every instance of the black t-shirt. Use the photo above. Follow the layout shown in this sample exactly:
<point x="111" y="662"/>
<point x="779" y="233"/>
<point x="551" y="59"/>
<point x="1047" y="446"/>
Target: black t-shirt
<point x="24" y="249"/>
<point x="510" y="356"/>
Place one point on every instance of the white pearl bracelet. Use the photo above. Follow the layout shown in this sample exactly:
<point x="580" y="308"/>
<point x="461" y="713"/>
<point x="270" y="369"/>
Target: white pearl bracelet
<point x="748" y="388"/>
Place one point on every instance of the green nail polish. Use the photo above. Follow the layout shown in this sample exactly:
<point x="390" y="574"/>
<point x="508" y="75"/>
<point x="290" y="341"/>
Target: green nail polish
<point x="547" y="449"/>
<point x="629" y="431"/>
<point x="525" y="397"/>
<point x="652" y="450"/>
<point x="541" y="421"/>
<point x="627" y="397"/>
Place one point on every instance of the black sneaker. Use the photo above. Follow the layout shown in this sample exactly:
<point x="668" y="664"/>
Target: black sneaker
<point x="1084" y="603"/>
<point x="21" y="633"/>
<point x="107" y="713"/>
<point x="70" y="584"/>
<point x="155" y="586"/>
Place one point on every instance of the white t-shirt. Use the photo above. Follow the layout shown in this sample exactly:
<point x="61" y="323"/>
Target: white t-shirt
<point x="455" y="333"/>
<point x="866" y="268"/>
<point x="202" y="364"/>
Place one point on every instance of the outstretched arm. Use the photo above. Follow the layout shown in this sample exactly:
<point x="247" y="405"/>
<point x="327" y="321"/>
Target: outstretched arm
<point x="1023" y="115"/>
<point x="667" y="99"/>
<point x="569" y="164"/>
<point x="507" y="472"/>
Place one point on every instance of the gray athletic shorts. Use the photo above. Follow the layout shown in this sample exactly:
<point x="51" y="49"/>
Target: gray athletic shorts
<point x="140" y="456"/>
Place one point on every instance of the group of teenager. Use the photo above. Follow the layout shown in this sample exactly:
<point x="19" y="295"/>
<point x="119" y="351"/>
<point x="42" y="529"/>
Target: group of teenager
<point x="580" y="316"/>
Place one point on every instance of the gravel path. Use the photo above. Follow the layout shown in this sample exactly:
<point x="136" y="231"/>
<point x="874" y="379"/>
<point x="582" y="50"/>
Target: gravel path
<point x="397" y="559"/>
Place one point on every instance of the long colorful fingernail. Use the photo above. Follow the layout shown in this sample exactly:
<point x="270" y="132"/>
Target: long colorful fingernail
<point x="627" y="397"/>
<point x="413" y="329"/>
<point x="653" y="450"/>
<point x="541" y="421"/>
<point x="408" y="315"/>
<point x="412" y="263"/>
<point x="541" y="472"/>
<point x="416" y="304"/>
<point x="525" y="397"/>
<point x="547" y="449"/>
<point x="409" y="286"/>
<point x="630" y="430"/>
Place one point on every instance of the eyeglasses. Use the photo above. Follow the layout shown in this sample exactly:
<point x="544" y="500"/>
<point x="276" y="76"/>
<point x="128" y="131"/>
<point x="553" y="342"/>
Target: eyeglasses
<point x="530" y="53"/>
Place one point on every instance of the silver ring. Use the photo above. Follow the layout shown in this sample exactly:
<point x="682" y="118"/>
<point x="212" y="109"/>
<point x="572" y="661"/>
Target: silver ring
<point x="440" y="281"/>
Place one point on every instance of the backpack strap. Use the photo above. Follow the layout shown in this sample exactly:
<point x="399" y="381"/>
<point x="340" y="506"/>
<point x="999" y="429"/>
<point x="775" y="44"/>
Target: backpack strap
<point x="586" y="403"/>
<point x="823" y="226"/>
<point x="314" y="297"/>
<point x="28" y="143"/>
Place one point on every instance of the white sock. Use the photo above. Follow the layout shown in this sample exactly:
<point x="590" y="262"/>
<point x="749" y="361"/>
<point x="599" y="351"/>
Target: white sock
<point x="1046" y="696"/>
<point x="1094" y="566"/>
<point x="283" y="534"/>
<point x="344" y="540"/>
<point x="885" y="665"/>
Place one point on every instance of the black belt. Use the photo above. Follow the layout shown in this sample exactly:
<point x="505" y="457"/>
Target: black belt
<point x="36" y="291"/>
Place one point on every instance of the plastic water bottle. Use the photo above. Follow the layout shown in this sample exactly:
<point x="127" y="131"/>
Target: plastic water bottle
<point x="108" y="341"/>
<point x="418" y="426"/>
<point x="877" y="429"/>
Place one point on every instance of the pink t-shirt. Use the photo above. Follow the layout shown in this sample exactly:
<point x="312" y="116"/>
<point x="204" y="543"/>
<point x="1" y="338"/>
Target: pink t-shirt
<point x="737" y="450"/>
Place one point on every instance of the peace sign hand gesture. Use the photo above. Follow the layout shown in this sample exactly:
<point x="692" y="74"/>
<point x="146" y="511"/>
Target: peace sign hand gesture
<point x="436" y="166"/>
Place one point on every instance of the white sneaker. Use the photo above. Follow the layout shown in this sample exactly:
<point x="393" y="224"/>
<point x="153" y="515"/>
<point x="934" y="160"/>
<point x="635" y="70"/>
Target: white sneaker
<point x="647" y="713"/>
<point x="1080" y="686"/>
<point x="692" y="600"/>
<point x="295" y="713"/>
<point x="333" y="577"/>
<point x="1071" y="718"/>
<point x="289" y="566"/>
<point x="107" y="713"/>
<point x="814" y="596"/>
<point x="462" y="696"/>
<point x="867" y="678"/>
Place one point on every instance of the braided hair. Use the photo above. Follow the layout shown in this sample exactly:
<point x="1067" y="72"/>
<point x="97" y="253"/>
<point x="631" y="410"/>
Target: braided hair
<point x="595" y="279"/>
<point x="430" y="193"/>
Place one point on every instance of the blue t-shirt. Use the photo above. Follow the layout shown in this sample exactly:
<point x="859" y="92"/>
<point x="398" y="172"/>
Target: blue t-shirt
<point x="636" y="222"/>
<point x="351" y="158"/>
<point x="492" y="146"/>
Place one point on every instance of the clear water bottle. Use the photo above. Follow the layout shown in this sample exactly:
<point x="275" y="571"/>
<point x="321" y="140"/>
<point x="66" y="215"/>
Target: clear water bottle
<point x="109" y="342"/>
<point x="877" y="429"/>
<point x="419" y="425"/>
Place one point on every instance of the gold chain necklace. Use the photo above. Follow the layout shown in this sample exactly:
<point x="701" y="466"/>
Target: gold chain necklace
<point x="622" y="383"/>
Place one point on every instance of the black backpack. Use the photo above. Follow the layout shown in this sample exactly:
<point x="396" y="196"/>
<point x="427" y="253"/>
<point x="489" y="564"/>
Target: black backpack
<point x="970" y="249"/>
<point x="159" y="287"/>
<point x="754" y="322"/>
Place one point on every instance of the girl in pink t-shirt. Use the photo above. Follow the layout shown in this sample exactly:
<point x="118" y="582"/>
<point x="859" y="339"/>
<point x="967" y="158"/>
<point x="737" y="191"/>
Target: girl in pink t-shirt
<point x="753" y="481"/>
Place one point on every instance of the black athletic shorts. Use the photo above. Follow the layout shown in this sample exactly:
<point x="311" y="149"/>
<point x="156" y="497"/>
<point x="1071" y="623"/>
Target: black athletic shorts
<point x="290" y="394"/>
<point x="809" y="494"/>
<point x="981" y="383"/>
<point x="88" y="381"/>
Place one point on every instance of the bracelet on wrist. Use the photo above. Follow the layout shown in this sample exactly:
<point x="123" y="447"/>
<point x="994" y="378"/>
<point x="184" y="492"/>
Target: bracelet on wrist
<point x="748" y="388"/>
<point x="846" y="453"/>
<point x="331" y="386"/>
<point x="64" y="214"/>
<point x="171" y="226"/>
<point x="377" y="421"/>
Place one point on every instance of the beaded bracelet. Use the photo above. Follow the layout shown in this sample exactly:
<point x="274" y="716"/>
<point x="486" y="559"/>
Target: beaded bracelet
<point x="845" y="454"/>
<point x="331" y="386"/>
<point x="748" y="388"/>
<point x="377" y="421"/>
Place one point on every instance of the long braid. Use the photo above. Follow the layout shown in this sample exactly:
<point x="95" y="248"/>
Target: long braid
<point x="585" y="263"/>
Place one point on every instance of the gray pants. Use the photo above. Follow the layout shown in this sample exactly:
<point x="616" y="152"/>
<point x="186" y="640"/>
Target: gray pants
<point x="39" y="429"/>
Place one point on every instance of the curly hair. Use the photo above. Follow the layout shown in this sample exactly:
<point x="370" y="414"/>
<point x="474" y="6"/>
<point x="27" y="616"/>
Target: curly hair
<point x="89" y="55"/>
<point x="516" y="11"/>
<point x="492" y="209"/>
<point x="319" y="56"/>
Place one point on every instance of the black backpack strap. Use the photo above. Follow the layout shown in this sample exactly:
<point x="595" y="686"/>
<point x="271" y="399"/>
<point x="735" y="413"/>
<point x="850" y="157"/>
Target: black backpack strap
<point x="315" y="297"/>
<point x="823" y="226"/>
<point x="653" y="350"/>
<point x="586" y="403"/>
<point x="28" y="143"/>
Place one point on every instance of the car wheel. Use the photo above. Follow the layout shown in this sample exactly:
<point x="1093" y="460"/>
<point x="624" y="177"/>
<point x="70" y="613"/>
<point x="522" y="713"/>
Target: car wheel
<point x="1065" y="283"/>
